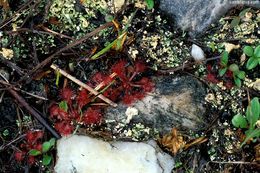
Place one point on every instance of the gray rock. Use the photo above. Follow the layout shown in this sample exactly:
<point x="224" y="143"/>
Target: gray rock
<point x="196" y="16"/>
<point x="176" y="102"/>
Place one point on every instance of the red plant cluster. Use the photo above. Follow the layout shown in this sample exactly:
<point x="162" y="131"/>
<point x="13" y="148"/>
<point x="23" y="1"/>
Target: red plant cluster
<point x="132" y="86"/>
<point x="33" y="141"/>
<point x="129" y="87"/>
<point x="212" y="77"/>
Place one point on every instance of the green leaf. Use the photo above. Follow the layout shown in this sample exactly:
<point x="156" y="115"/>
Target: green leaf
<point x="243" y="12"/>
<point x="221" y="72"/>
<point x="241" y="74"/>
<point x="46" y="160"/>
<point x="52" y="141"/>
<point x="251" y="63"/>
<point x="235" y="22"/>
<point x="224" y="58"/>
<point x="252" y="112"/>
<point x="237" y="82"/>
<point x="150" y="4"/>
<point x="248" y="50"/>
<point x="252" y="134"/>
<point x="63" y="105"/>
<point x="257" y="52"/>
<point x="46" y="146"/>
<point x="234" y="68"/>
<point x="255" y="105"/>
<point x="34" y="152"/>
<point x="239" y="121"/>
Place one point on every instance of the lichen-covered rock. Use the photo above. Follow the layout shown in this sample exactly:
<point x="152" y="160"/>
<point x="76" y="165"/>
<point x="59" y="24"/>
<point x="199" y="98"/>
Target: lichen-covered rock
<point x="198" y="15"/>
<point x="176" y="102"/>
<point x="82" y="154"/>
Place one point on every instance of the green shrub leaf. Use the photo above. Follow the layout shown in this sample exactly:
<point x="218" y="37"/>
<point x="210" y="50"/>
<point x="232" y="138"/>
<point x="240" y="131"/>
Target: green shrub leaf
<point x="248" y="50"/>
<point x="46" y="160"/>
<point x="235" y="22"/>
<point x="237" y="82"/>
<point x="251" y="63"/>
<point x="252" y="112"/>
<point x="239" y="121"/>
<point x="257" y="51"/>
<point x="252" y="134"/>
<point x="243" y="12"/>
<point x="150" y="4"/>
<point x="222" y="71"/>
<point x="241" y="74"/>
<point x="34" y="152"/>
<point x="224" y="58"/>
<point x="234" y="68"/>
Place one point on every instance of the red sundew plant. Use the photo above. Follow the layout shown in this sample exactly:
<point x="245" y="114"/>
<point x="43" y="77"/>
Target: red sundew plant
<point x="33" y="141"/>
<point x="75" y="108"/>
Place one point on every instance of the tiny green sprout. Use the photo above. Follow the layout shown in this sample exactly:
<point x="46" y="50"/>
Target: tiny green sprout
<point x="238" y="75"/>
<point x="46" y="147"/>
<point x="249" y="120"/>
<point x="254" y="56"/>
<point x="224" y="63"/>
<point x="150" y="4"/>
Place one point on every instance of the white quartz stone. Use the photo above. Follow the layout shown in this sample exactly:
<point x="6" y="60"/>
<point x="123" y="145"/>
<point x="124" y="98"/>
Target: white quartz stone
<point x="83" y="154"/>
<point x="197" y="53"/>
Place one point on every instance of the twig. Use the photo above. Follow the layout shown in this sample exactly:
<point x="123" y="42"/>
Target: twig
<point x="31" y="110"/>
<point x="73" y="44"/>
<point x="11" y="65"/>
<point x="15" y="140"/>
<point x="56" y="33"/>
<point x="93" y="91"/>
<point x="236" y="162"/>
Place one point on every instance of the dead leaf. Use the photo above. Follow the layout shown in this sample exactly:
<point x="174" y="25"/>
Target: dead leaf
<point x="173" y="142"/>
<point x="197" y="141"/>
<point x="4" y="4"/>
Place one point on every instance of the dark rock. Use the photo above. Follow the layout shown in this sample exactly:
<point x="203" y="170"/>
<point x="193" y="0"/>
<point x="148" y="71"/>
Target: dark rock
<point x="176" y="102"/>
<point x="196" y="16"/>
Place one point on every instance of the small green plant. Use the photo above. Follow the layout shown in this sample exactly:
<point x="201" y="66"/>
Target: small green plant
<point x="238" y="75"/>
<point x="236" y="20"/>
<point x="249" y="120"/>
<point x="254" y="56"/>
<point x="46" y="146"/>
<point x="150" y="4"/>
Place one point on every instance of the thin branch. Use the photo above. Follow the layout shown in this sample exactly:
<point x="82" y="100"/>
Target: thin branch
<point x="93" y="91"/>
<point x="31" y="110"/>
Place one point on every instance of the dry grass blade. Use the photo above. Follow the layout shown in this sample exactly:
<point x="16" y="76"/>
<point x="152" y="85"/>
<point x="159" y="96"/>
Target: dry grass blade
<point x="83" y="85"/>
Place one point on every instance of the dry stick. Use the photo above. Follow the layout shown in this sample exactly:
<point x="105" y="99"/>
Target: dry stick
<point x="96" y="93"/>
<point x="33" y="112"/>
<point x="69" y="46"/>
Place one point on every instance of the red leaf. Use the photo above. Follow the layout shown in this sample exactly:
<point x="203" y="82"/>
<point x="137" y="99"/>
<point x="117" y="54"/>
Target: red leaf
<point x="146" y="84"/>
<point x="92" y="116"/>
<point x="33" y="136"/>
<point x="54" y="110"/>
<point x="58" y="113"/>
<point x="64" y="128"/>
<point x="19" y="156"/>
<point x="120" y="69"/>
<point x="140" y="66"/>
<point x="37" y="147"/>
<point x="211" y="78"/>
<point x="229" y="74"/>
<point x="66" y="94"/>
<point x="83" y="98"/>
<point x="31" y="160"/>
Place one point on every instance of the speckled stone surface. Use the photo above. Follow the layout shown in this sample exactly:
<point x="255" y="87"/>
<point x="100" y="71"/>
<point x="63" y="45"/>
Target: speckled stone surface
<point x="176" y="102"/>
<point x="196" y="16"/>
